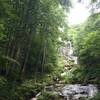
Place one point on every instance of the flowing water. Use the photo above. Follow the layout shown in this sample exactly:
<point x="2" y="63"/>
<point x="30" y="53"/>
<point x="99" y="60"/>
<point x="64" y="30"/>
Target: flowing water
<point x="68" y="53"/>
<point x="71" y="91"/>
<point x="77" y="91"/>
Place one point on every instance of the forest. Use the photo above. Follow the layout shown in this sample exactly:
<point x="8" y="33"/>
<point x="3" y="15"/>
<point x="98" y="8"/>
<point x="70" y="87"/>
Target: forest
<point x="33" y="65"/>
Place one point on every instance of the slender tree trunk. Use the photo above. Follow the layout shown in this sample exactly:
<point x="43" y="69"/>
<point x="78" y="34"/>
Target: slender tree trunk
<point x="44" y="52"/>
<point x="28" y="51"/>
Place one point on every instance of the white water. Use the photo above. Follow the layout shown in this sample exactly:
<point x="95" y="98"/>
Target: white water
<point x="77" y="91"/>
<point x="67" y="51"/>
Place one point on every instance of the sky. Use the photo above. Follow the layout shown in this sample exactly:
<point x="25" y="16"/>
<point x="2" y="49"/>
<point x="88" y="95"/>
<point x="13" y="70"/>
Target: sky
<point x="79" y="13"/>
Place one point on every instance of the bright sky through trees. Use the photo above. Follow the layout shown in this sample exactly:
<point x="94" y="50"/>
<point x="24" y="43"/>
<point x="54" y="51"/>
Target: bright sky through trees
<point x="78" y="13"/>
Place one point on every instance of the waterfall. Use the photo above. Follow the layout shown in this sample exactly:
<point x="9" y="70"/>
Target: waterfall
<point x="67" y="51"/>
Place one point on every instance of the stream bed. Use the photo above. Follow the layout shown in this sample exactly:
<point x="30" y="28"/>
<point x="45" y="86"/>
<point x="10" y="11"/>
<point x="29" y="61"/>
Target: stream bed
<point x="78" y="91"/>
<point x="71" y="91"/>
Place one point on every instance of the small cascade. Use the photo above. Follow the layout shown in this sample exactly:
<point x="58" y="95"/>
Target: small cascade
<point x="77" y="91"/>
<point x="67" y="52"/>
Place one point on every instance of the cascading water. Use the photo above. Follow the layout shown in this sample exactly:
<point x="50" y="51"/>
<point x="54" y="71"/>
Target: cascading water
<point x="67" y="52"/>
<point x="75" y="91"/>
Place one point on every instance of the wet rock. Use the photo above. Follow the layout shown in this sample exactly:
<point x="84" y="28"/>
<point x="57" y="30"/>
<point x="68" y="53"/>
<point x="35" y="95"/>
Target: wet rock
<point x="77" y="91"/>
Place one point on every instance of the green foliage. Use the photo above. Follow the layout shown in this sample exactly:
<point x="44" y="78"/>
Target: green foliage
<point x="29" y="32"/>
<point x="48" y="96"/>
<point x="8" y="89"/>
<point x="90" y="54"/>
<point x="88" y="49"/>
<point x="4" y="93"/>
<point x="28" y="90"/>
<point x="96" y="97"/>
<point x="75" y="75"/>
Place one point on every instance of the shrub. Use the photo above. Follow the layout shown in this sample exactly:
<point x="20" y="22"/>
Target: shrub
<point x="28" y="90"/>
<point x="97" y="97"/>
<point x="49" y="96"/>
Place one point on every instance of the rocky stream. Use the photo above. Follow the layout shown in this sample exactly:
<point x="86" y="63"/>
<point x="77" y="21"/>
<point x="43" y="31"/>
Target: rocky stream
<point x="70" y="91"/>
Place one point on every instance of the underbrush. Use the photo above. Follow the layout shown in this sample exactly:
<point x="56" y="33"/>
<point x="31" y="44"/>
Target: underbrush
<point x="96" y="97"/>
<point x="49" y="96"/>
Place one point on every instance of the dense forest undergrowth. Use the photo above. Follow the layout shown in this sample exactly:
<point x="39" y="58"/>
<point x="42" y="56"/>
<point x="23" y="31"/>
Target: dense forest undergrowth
<point x="29" y="48"/>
